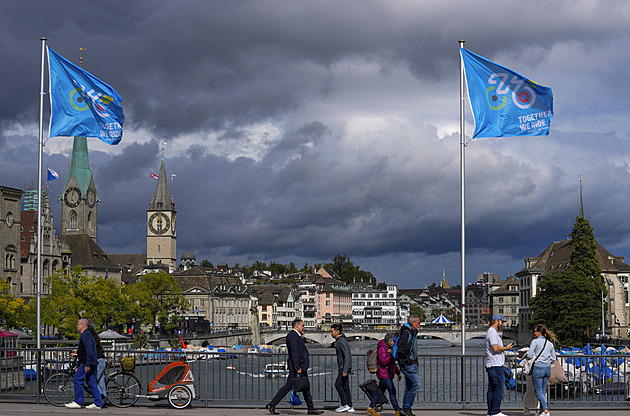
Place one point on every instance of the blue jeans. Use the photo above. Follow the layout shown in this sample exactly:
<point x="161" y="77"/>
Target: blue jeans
<point x="342" y="384"/>
<point x="540" y="379"/>
<point x="386" y="384"/>
<point x="78" y="379"/>
<point x="496" y="384"/>
<point x="100" y="378"/>
<point x="412" y="384"/>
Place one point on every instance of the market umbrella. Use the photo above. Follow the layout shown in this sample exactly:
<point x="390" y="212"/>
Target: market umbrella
<point x="441" y="320"/>
<point x="109" y="334"/>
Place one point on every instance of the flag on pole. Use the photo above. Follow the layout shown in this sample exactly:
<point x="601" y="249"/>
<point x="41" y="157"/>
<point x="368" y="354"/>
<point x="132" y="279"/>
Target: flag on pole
<point x="505" y="103"/>
<point x="154" y="176"/>
<point x="52" y="175"/>
<point x="81" y="104"/>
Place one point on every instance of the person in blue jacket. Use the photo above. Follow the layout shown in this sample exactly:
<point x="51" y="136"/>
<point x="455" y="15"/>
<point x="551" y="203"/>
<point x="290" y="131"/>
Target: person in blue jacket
<point x="543" y="347"/>
<point x="86" y="369"/>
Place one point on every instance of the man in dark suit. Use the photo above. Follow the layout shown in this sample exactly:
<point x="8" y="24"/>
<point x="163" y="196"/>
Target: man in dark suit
<point x="298" y="363"/>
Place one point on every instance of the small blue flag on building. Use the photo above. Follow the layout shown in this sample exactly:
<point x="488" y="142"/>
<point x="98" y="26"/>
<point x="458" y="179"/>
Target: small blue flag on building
<point x="81" y="104"/>
<point x="52" y="175"/>
<point x="505" y="103"/>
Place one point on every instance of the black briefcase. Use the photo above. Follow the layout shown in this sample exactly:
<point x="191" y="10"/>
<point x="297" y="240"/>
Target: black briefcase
<point x="300" y="383"/>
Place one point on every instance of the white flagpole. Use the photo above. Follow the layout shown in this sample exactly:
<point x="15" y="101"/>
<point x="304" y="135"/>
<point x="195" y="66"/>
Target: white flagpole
<point x="39" y="198"/>
<point x="462" y="159"/>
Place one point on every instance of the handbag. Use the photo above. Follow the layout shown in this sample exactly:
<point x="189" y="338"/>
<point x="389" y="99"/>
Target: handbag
<point x="531" y="369"/>
<point x="301" y="383"/>
<point x="557" y="374"/>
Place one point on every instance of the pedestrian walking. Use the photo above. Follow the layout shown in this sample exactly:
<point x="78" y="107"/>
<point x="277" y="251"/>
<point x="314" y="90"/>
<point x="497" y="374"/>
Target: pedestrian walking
<point x="86" y="369"/>
<point x="344" y="362"/>
<point x="298" y="363"/>
<point x="386" y="371"/>
<point x="100" y="354"/>
<point x="543" y="348"/>
<point x="408" y="361"/>
<point x="494" y="365"/>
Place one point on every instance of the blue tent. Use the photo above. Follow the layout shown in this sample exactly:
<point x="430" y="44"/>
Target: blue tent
<point x="441" y="320"/>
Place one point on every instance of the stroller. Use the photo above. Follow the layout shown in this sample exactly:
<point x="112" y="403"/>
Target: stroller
<point x="175" y="382"/>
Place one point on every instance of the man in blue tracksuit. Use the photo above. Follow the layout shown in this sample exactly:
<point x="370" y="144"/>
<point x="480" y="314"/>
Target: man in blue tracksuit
<point x="408" y="362"/>
<point x="86" y="369"/>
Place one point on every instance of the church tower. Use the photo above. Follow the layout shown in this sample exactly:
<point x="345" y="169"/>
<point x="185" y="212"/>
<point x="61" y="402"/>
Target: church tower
<point x="79" y="197"/>
<point x="161" y="230"/>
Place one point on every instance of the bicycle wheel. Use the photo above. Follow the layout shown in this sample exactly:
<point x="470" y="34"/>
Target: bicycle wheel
<point x="59" y="389"/>
<point x="123" y="389"/>
<point x="180" y="397"/>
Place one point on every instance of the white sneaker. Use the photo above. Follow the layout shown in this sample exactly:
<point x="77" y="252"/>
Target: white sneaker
<point x="73" y="405"/>
<point x="93" y="406"/>
<point x="342" y="408"/>
<point x="350" y="409"/>
<point x="499" y="414"/>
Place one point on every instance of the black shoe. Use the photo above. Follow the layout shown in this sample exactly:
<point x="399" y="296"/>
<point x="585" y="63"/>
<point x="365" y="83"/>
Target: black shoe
<point x="271" y="410"/>
<point x="104" y="399"/>
<point x="314" y="412"/>
<point x="407" y="412"/>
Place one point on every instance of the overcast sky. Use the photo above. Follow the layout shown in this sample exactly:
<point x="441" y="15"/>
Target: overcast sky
<point x="299" y="130"/>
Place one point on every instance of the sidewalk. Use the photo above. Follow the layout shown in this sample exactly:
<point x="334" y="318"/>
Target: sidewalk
<point x="14" y="409"/>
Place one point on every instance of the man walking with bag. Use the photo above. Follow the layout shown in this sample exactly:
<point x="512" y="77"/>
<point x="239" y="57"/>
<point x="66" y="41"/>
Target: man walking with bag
<point x="298" y="363"/>
<point x="344" y="362"/>
<point x="408" y="360"/>
<point x="86" y="369"/>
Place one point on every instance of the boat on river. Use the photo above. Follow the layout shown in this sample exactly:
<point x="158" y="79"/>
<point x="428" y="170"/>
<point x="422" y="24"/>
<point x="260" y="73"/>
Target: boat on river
<point x="276" y="370"/>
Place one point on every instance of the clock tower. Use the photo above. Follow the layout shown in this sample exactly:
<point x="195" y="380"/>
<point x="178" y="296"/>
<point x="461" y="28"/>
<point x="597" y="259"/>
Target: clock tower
<point x="161" y="225"/>
<point x="79" y="199"/>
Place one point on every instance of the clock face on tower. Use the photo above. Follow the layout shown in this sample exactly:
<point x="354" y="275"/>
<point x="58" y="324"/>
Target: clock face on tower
<point x="159" y="223"/>
<point x="91" y="197"/>
<point x="72" y="196"/>
<point x="9" y="220"/>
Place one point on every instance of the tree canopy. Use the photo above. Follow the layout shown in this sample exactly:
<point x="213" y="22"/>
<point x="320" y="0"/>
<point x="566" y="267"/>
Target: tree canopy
<point x="348" y="272"/>
<point x="156" y="299"/>
<point x="12" y="309"/>
<point x="569" y="302"/>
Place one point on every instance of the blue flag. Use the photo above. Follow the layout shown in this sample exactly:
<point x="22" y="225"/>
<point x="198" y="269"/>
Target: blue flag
<point x="81" y="104"/>
<point x="503" y="102"/>
<point x="52" y="175"/>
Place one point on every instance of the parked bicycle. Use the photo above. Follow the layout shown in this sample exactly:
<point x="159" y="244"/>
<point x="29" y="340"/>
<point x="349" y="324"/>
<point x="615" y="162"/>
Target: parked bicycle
<point x="123" y="387"/>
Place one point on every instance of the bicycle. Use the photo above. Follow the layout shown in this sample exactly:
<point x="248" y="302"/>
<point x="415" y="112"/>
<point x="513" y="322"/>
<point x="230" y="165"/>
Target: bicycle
<point x="123" y="388"/>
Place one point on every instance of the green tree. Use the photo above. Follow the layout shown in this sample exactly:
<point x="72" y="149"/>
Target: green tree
<point x="156" y="299"/>
<point x="569" y="302"/>
<point x="75" y="295"/>
<point x="347" y="271"/>
<point x="418" y="311"/>
<point x="13" y="311"/>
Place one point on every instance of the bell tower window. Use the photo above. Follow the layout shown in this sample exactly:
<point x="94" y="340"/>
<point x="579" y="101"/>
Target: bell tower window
<point x="74" y="220"/>
<point x="89" y="220"/>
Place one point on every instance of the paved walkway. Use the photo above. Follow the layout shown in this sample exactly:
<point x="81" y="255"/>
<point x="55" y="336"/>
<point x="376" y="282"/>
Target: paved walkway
<point x="15" y="409"/>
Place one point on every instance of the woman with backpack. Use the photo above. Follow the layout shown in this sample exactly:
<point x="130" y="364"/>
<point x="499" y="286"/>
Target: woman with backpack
<point x="387" y="368"/>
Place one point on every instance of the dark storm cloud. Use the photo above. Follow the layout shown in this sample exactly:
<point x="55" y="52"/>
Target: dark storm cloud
<point x="315" y="128"/>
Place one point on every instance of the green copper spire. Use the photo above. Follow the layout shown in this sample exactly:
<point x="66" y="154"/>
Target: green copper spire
<point x="80" y="165"/>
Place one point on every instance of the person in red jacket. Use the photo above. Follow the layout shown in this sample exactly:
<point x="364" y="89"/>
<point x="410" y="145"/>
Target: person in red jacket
<point x="387" y="369"/>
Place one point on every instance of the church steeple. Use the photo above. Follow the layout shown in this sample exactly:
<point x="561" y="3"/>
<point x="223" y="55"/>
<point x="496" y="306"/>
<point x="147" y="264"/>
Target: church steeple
<point x="162" y="200"/>
<point x="79" y="198"/>
<point x="161" y="225"/>
<point x="581" y="203"/>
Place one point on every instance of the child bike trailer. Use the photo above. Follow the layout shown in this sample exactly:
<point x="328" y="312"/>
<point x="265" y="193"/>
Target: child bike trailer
<point x="175" y="382"/>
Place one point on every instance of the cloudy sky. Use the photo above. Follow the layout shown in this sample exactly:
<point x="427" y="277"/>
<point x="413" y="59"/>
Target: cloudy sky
<point x="299" y="130"/>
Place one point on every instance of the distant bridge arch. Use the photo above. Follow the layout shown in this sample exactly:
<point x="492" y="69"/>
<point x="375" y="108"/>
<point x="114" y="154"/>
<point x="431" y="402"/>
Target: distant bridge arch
<point x="324" y="338"/>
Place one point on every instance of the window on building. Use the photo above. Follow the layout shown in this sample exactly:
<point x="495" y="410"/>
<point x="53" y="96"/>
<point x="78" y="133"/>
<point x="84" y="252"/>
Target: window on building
<point x="74" y="220"/>
<point x="327" y="303"/>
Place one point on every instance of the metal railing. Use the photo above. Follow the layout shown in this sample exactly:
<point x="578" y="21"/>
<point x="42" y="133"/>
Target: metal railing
<point x="236" y="378"/>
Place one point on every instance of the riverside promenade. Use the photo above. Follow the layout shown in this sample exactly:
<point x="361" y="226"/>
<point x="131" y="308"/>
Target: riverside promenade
<point x="15" y="409"/>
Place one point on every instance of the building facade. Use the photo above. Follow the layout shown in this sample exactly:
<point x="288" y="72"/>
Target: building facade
<point x="10" y="222"/>
<point x="161" y="225"/>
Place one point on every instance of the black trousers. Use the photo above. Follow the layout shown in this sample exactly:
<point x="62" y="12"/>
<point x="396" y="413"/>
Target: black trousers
<point x="287" y="388"/>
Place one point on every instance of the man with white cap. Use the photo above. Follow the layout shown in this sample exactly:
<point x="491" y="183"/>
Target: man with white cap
<point x="494" y="365"/>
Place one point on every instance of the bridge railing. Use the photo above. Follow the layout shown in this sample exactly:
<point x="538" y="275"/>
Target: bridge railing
<point x="236" y="378"/>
